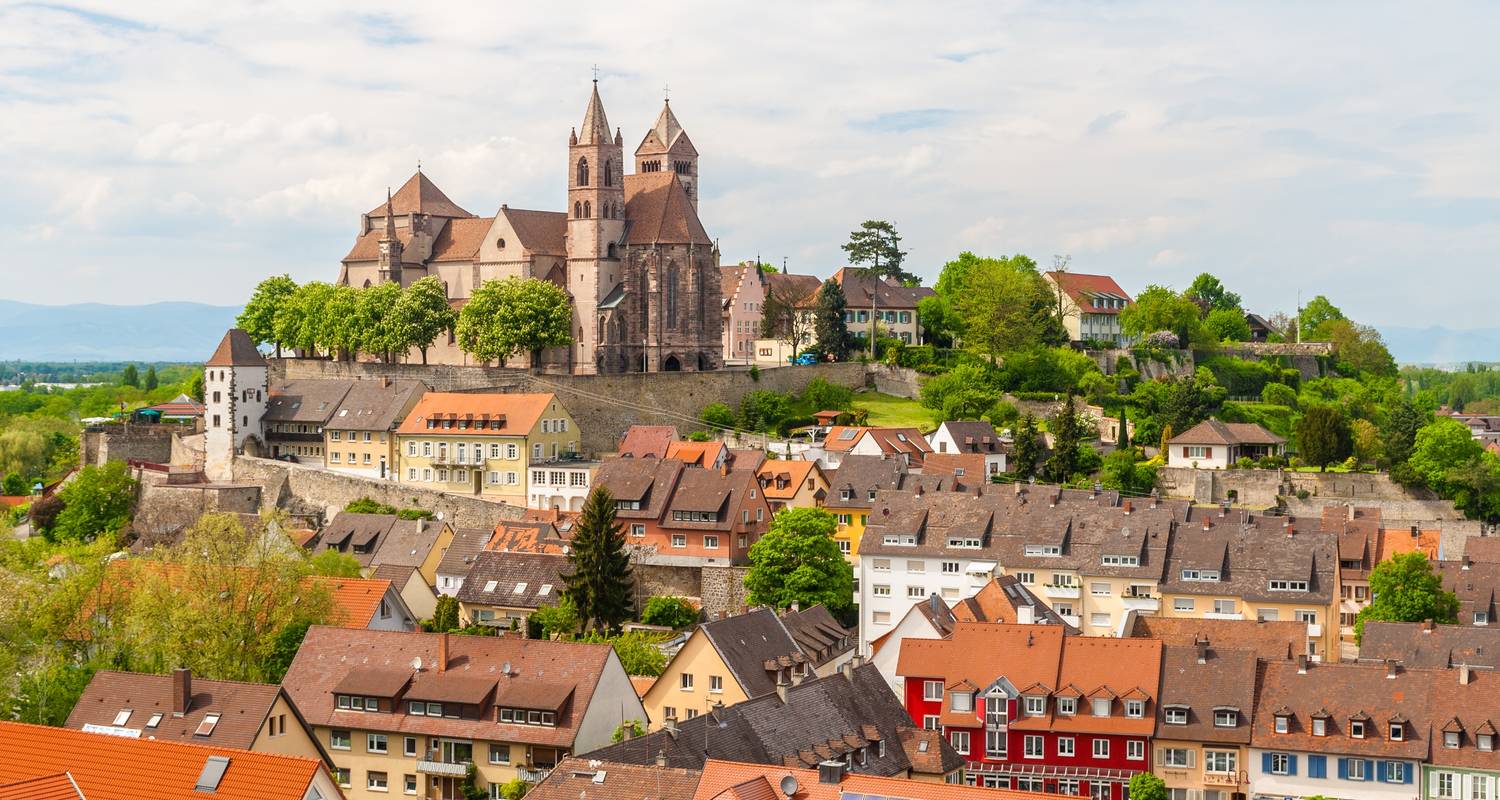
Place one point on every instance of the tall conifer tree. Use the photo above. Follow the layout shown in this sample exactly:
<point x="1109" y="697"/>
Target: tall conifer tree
<point x="600" y="584"/>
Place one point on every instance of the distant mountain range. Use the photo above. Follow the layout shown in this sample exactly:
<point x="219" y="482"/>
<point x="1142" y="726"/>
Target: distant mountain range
<point x="97" y="332"/>
<point x="1442" y="346"/>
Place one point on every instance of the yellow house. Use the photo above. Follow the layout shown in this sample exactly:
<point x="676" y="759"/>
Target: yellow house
<point x="726" y="662"/>
<point x="484" y="444"/>
<point x="851" y="495"/>
<point x="792" y="484"/>
<point x="360" y="436"/>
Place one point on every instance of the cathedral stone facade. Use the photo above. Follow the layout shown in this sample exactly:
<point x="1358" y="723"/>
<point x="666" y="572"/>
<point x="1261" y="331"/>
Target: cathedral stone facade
<point x="628" y="249"/>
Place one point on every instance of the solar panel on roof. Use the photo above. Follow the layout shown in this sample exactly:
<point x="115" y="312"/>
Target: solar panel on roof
<point x="212" y="774"/>
<point x="847" y="434"/>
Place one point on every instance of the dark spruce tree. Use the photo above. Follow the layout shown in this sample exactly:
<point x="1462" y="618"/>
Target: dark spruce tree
<point x="1027" y="451"/>
<point x="1067" y="430"/>
<point x="829" y="326"/>
<point x="600" y="583"/>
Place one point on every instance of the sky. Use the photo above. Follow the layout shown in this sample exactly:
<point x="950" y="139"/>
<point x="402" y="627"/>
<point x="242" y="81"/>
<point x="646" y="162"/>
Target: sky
<point x="184" y="151"/>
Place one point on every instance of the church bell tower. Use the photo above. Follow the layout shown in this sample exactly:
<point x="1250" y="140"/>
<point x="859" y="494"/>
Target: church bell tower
<point x="596" y="225"/>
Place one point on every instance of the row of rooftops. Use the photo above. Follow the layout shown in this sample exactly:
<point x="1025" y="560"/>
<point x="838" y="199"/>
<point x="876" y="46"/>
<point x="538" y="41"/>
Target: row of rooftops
<point x="1184" y="548"/>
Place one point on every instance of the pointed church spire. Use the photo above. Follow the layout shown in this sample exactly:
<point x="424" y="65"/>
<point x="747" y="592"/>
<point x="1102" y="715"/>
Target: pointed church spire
<point x="595" y="128"/>
<point x="390" y="219"/>
<point x="667" y="127"/>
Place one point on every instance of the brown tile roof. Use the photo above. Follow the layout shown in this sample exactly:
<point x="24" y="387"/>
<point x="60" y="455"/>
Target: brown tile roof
<point x="367" y="245"/>
<point x="860" y="284"/>
<point x="543" y="232"/>
<point x="1254" y="550"/>
<point x="1344" y="690"/>
<point x="843" y="437"/>
<point x="858" y="476"/>
<point x="782" y="479"/>
<point x="1416" y="644"/>
<point x="420" y="195"/>
<point x="311" y="401"/>
<point x="965" y="469"/>
<point x="975" y="436"/>
<point x="1083" y="288"/>
<point x="328" y="655"/>
<point x="1223" y="679"/>
<point x="794" y="289"/>
<point x="1476" y="584"/>
<point x="819" y="635"/>
<point x="496" y="577"/>
<point x="397" y="574"/>
<point x="242" y="707"/>
<point x="724" y="780"/>
<point x="746" y="641"/>
<point x="460" y="239"/>
<point x="901" y="441"/>
<point x="648" y="481"/>
<point x="641" y="441"/>
<point x="120" y="768"/>
<point x="1212" y="431"/>
<point x="499" y="413"/>
<point x="235" y="350"/>
<point x="658" y="211"/>
<point x="374" y="406"/>
<point x="575" y="778"/>
<point x="1467" y="709"/>
<point x="1280" y="640"/>
<point x="466" y="545"/>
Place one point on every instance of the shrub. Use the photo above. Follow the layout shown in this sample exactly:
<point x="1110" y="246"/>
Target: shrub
<point x="760" y="410"/>
<point x="367" y="505"/>
<point x="755" y="373"/>
<point x="1245" y="462"/>
<point x="821" y="395"/>
<point x="673" y="612"/>
<point x="414" y="513"/>
<point x="1161" y="340"/>
<point x="1302" y="494"/>
<point x="1279" y="394"/>
<point x="717" y="415"/>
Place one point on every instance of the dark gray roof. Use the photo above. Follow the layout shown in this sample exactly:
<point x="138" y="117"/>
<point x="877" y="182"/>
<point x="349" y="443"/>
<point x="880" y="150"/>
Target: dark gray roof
<point x="820" y="636"/>
<point x="975" y="437"/>
<point x="1417" y="645"/>
<point x="1256" y="549"/>
<point x="514" y="580"/>
<point x="859" y="475"/>
<point x="372" y="405"/>
<point x="467" y="543"/>
<point x="1225" y="679"/>
<point x="358" y="535"/>
<point x="827" y="715"/>
<point x="745" y="642"/>
<point x="408" y="542"/>
<point x="312" y="401"/>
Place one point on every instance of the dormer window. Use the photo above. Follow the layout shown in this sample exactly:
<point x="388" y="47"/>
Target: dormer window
<point x="1450" y="739"/>
<point x="1287" y="586"/>
<point x="1067" y="706"/>
<point x="1357" y="729"/>
<point x="1283" y="723"/>
<point x="1320" y="727"/>
<point x="1101" y="706"/>
<point x="1043" y="550"/>
<point x="845" y="494"/>
<point x="1135" y="709"/>
<point x="1485" y="741"/>
<point x="1398" y="732"/>
<point x="1226" y="718"/>
<point x="963" y="701"/>
<point x="1036" y="705"/>
<point x="1175" y="715"/>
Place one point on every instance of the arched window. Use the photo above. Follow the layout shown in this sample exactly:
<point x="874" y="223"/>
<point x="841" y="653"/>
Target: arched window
<point x="583" y="172"/>
<point x="609" y="172"/>
<point x="577" y="210"/>
<point x="603" y="326"/>
<point x="587" y="212"/>
<point x="672" y="297"/>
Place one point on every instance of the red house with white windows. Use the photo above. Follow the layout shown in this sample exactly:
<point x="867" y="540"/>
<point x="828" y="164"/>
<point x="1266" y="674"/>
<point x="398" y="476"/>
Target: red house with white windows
<point x="1030" y="708"/>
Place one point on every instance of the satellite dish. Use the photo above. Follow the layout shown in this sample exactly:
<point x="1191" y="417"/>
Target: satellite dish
<point x="439" y="516"/>
<point x="505" y="668"/>
<point x="416" y="664"/>
<point x="789" y="785"/>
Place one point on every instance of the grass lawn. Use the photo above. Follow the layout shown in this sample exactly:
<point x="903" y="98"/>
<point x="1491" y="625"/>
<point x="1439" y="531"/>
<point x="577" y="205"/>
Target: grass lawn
<point x="890" y="411"/>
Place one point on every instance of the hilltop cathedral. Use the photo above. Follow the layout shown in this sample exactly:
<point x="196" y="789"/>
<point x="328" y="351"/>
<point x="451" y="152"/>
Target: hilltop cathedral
<point x="628" y="249"/>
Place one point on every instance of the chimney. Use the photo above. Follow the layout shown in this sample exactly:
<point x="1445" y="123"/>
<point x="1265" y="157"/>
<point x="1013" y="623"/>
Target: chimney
<point x="182" y="691"/>
<point x="1224" y="509"/>
<point x="1025" y="615"/>
<point x="781" y="687"/>
<point x="442" y="653"/>
<point x="1206" y="524"/>
<point x="1155" y="496"/>
<point x="1467" y="562"/>
<point x="858" y="661"/>
<point x="831" y="772"/>
<point x="724" y="467"/>
<point x="1416" y="532"/>
<point x="847" y="668"/>
<point x="1391" y="666"/>
<point x="670" y="726"/>
<point x="1350" y="506"/>
<point x="1302" y="664"/>
<point x="1201" y="645"/>
<point x="796" y="606"/>
<point x="385" y="382"/>
<point x="1464" y="675"/>
<point x="661" y="758"/>
<point x="1127" y="508"/>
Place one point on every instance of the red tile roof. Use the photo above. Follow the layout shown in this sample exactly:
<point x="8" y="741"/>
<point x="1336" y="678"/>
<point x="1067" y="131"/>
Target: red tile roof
<point x="1212" y="431"/>
<point x="698" y="454"/>
<point x="355" y="600"/>
<point x="728" y="780"/>
<point x="520" y="413"/>
<point x="242" y="707"/>
<point x="236" y="350"/>
<point x="419" y="194"/>
<point x="48" y="787"/>
<point x="120" y="768"/>
<point x="460" y="239"/>
<point x="1083" y="287"/>
<point x="794" y="473"/>
<point x="659" y="211"/>
<point x="640" y="441"/>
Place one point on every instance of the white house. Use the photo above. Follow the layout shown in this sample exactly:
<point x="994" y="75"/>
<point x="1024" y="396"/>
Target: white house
<point x="235" y="395"/>
<point x="973" y="438"/>
<point x="1212" y="444"/>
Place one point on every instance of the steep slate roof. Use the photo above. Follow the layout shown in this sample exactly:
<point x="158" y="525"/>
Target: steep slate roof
<point x="649" y="481"/>
<point x="666" y="135"/>
<point x="1224" y="679"/>
<point x="724" y="780"/>
<point x="1274" y="641"/>
<point x="420" y="195"/>
<point x="242" y="707"/>
<point x="370" y="406"/>
<point x="235" y="350"/>
<point x="120" y="768"/>
<point x="466" y="545"/>
<point x="496" y="577"/>
<point x="820" y="718"/>
<point x="975" y="437"/>
<point x="746" y="641"/>
<point x="354" y="533"/>
<point x="312" y="401"/>
<point x="860" y="284"/>
<point x="658" y="211"/>
<point x="1417" y="644"/>
<point x="641" y="441"/>
<point x="543" y="232"/>
<point x="1344" y="690"/>
<point x="1083" y="287"/>
<point x="1212" y="431"/>
<point x="821" y="638"/>
<point x="542" y="672"/>
<point x="575" y="777"/>
<point x="595" y="128"/>
<point x="520" y="413"/>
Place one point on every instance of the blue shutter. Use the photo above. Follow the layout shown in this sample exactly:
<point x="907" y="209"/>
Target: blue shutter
<point x="1291" y="765"/>
<point x="1343" y="769"/>
<point x="1406" y="771"/>
<point x="1369" y="770"/>
<point x="1317" y="766"/>
<point x="1265" y="763"/>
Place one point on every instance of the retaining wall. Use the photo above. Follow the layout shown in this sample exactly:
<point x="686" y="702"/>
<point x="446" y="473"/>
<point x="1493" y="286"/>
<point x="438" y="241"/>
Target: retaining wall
<point x="127" y="441"/>
<point x="1262" y="487"/>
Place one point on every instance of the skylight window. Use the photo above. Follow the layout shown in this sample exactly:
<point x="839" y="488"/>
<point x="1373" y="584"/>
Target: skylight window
<point x="848" y="433"/>
<point x="122" y="717"/>
<point x="206" y="727"/>
<point x="489" y="586"/>
<point x="545" y="590"/>
<point x="213" y="772"/>
<point x="154" y="721"/>
<point x="521" y="587"/>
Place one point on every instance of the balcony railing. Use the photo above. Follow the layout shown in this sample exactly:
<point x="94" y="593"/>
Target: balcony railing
<point x="532" y="774"/>
<point x="1314" y="630"/>
<point x="1221" y="778"/>
<point x="1141" y="603"/>
<point x="467" y="459"/>
<point x="1063" y="590"/>
<point x="448" y="769"/>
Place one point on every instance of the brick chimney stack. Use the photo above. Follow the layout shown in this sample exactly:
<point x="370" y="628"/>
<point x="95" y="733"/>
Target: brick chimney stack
<point x="442" y="652"/>
<point x="182" y="691"/>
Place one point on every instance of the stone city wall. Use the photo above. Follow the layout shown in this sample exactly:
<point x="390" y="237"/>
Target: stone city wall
<point x="164" y="508"/>
<point x="1262" y="487"/>
<point x="603" y="406"/>
<point x="723" y="591"/>
<point x="126" y="441"/>
<point x="300" y="489"/>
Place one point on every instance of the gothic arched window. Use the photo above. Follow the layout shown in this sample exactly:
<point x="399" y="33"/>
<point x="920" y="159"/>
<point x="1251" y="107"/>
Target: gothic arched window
<point x="587" y="211"/>
<point x="577" y="210"/>
<point x="672" y="297"/>
<point x="611" y="252"/>
<point x="583" y="172"/>
<point x="609" y="172"/>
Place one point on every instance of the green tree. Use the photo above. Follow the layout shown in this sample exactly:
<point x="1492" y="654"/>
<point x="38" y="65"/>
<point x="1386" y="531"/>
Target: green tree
<point x="1123" y="472"/>
<point x="673" y="612"/>
<point x="967" y="391"/>
<point x="130" y="376"/>
<point x="1359" y="348"/>
<point x="1315" y="317"/>
<point x="1067" y="431"/>
<point x="1004" y="306"/>
<point x="445" y="615"/>
<point x="1439" y="447"/>
<point x="761" y="409"/>
<point x="299" y="320"/>
<point x="98" y="501"/>
<point x="940" y="326"/>
<point x="1122" y="441"/>
<point x="718" y="416"/>
<point x="783" y="319"/>
<point x="797" y="561"/>
<point x="381" y="334"/>
<point x="1227" y="325"/>
<point x="830" y="329"/>
<point x="367" y="505"/>
<point x="1027" y="448"/>
<point x="151" y="380"/>
<point x="1365" y="438"/>
<point x="639" y="654"/>
<point x="877" y="246"/>
<point x="258" y="318"/>
<point x="1210" y="294"/>
<point x="1399" y="430"/>
<point x="333" y="564"/>
<point x="423" y="313"/>
<point x="1145" y="786"/>
<point x="513" y="316"/>
<point x="15" y="485"/>
<point x="600" y="583"/>
<point x="1278" y="394"/>
<point x="1403" y="588"/>
<point x="195" y="387"/>
<point x="1323" y="435"/>
<point x="1161" y="309"/>
<point x="822" y="395"/>
<point x="341" y="328"/>
<point x="637" y="728"/>
<point x="557" y="620"/>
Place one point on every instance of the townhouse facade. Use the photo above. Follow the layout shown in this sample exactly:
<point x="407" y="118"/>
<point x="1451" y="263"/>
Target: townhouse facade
<point x="1032" y="709"/>
<point x="1203" y="729"/>
<point x="360" y="435"/>
<point x="411" y="713"/>
<point x="744" y="287"/>
<point x="881" y="305"/>
<point x="852" y="489"/>
<point x="674" y="514"/>
<point x="1090" y="307"/>
<point x="974" y="438"/>
<point x="1463" y="705"/>
<point x="793" y="483"/>
<point x="486" y="444"/>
